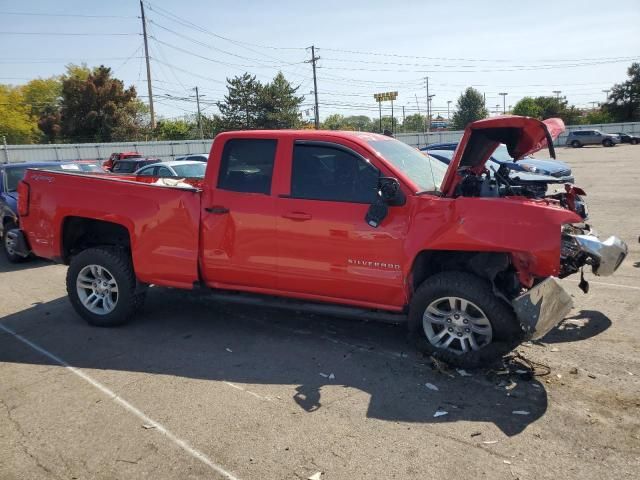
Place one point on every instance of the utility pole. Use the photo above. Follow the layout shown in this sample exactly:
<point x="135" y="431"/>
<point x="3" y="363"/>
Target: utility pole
<point x="448" y="104"/>
<point x="380" y="115"/>
<point x="418" y="107"/>
<point x="557" y="92"/>
<point x="393" y="130"/>
<point x="504" y="102"/>
<point x="426" y="79"/>
<point x="606" y="95"/>
<point x="199" y="114"/>
<point x="313" y="61"/>
<point x="429" y="97"/>
<point x="6" y="150"/>
<point x="146" y="55"/>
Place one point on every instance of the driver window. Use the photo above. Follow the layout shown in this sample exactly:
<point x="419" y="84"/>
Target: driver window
<point x="332" y="174"/>
<point x="147" y="172"/>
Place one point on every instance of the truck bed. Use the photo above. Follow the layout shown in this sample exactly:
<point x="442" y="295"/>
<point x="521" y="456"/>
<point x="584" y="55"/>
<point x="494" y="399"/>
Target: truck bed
<point x="162" y="222"/>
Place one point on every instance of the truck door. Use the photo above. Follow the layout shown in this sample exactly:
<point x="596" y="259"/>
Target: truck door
<point x="326" y="249"/>
<point x="238" y="247"/>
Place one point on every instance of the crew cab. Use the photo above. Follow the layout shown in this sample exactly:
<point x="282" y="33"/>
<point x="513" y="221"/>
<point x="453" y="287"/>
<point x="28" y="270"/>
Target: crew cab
<point x="117" y="156"/>
<point x="344" y="223"/>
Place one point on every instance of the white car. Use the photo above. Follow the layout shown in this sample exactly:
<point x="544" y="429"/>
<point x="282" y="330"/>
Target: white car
<point x="176" y="168"/>
<point x="198" y="157"/>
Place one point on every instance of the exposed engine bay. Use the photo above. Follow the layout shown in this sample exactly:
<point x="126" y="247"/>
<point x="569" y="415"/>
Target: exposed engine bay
<point x="498" y="183"/>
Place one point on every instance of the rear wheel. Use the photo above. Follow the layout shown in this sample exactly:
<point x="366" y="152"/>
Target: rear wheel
<point x="101" y="285"/>
<point x="11" y="255"/>
<point x="576" y="144"/>
<point x="633" y="141"/>
<point x="607" y="142"/>
<point x="457" y="317"/>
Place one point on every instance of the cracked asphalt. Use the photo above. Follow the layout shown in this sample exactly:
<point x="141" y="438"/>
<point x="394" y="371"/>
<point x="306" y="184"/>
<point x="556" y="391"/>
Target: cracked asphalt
<point x="198" y="389"/>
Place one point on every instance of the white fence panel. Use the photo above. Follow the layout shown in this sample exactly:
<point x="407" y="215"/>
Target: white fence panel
<point x="170" y="150"/>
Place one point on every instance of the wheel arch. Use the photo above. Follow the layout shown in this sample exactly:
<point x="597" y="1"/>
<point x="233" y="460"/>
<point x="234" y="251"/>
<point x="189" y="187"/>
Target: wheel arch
<point x="497" y="267"/>
<point x="81" y="233"/>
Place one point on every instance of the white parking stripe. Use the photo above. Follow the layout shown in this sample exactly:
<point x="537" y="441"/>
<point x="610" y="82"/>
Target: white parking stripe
<point x="605" y="284"/>
<point x="127" y="406"/>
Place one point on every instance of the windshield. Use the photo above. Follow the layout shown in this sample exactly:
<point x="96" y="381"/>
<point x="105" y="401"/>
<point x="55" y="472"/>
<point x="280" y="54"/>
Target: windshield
<point x="195" y="170"/>
<point x="427" y="173"/>
<point x="502" y="154"/>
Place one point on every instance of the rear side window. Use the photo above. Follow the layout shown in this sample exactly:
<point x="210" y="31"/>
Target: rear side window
<point x="332" y="174"/>
<point x="247" y="165"/>
<point x="124" y="167"/>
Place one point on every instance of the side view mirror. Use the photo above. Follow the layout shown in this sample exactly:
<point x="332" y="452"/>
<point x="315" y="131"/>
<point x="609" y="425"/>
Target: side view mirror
<point x="389" y="194"/>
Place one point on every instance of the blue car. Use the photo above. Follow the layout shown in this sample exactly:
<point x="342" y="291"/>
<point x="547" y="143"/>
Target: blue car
<point x="538" y="166"/>
<point x="10" y="176"/>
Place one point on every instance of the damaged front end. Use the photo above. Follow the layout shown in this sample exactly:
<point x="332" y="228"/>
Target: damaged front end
<point x="581" y="246"/>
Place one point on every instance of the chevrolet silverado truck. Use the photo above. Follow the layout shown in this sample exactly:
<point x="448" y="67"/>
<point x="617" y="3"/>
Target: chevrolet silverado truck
<point x="343" y="223"/>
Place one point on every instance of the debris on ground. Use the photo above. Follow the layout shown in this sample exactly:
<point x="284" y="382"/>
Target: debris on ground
<point x="490" y="442"/>
<point x="506" y="462"/>
<point x="332" y="376"/>
<point x="573" y="371"/>
<point x="440" y="413"/>
<point x="229" y="350"/>
<point x="463" y="373"/>
<point x="511" y="385"/>
<point x="441" y="367"/>
<point x="591" y="375"/>
<point x="475" y="434"/>
<point x="315" y="476"/>
<point x="431" y="386"/>
<point x="324" y="375"/>
<point x="148" y="426"/>
<point x="521" y="412"/>
<point x="555" y="349"/>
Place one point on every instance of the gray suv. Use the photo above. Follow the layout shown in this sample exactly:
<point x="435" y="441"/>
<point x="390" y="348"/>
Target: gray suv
<point x="592" y="137"/>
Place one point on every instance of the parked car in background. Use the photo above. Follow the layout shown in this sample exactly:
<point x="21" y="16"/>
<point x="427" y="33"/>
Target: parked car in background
<point x="628" y="138"/>
<point x="539" y="166"/>
<point x="129" y="165"/>
<point x="198" y="157"/>
<point x="580" y="138"/>
<point x="177" y="168"/>
<point x="108" y="164"/>
<point x="10" y="175"/>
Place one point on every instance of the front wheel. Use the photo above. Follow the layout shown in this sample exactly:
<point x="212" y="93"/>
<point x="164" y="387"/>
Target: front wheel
<point x="457" y="317"/>
<point x="633" y="141"/>
<point x="607" y="143"/>
<point x="576" y="144"/>
<point x="101" y="285"/>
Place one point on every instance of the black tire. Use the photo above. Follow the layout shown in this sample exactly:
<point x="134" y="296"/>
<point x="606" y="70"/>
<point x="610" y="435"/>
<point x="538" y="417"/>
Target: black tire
<point x="607" y="143"/>
<point x="129" y="299"/>
<point x="576" y="144"/>
<point x="507" y="332"/>
<point x="633" y="141"/>
<point x="11" y="256"/>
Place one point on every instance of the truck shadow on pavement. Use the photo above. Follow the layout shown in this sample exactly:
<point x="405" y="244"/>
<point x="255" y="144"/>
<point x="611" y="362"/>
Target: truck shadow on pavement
<point x="581" y="326"/>
<point x="190" y="336"/>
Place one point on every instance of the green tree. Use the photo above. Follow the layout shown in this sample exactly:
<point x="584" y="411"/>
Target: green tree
<point x="470" y="107"/>
<point x="624" y="100"/>
<point x="240" y="108"/>
<point x="599" y="115"/>
<point x="42" y="94"/>
<point x="527" y="107"/>
<point x="279" y="105"/>
<point x="168" y="129"/>
<point x="98" y="108"/>
<point x="359" y="123"/>
<point x="16" y="122"/>
<point x="414" y="123"/>
<point x="334" y="121"/>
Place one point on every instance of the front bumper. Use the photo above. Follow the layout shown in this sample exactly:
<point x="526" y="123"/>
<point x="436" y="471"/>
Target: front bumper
<point x="542" y="308"/>
<point x="605" y="257"/>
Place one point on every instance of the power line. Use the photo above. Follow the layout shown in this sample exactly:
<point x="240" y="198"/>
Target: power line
<point x="35" y="14"/>
<point x="86" y="34"/>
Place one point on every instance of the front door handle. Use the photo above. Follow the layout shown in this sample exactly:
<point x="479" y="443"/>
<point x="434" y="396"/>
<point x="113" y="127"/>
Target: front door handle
<point x="297" y="216"/>
<point x="217" y="210"/>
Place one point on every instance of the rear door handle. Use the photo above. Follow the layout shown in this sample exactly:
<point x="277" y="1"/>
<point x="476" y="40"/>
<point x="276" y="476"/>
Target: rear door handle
<point x="297" y="216"/>
<point x="217" y="210"/>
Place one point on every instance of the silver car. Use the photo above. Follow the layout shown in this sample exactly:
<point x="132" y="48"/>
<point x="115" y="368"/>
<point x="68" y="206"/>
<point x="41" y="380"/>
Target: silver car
<point x="580" y="138"/>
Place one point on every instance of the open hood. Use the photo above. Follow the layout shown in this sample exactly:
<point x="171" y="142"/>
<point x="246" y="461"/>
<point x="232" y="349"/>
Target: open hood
<point x="522" y="136"/>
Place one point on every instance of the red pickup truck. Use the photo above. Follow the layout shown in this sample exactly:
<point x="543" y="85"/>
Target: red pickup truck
<point x="344" y="223"/>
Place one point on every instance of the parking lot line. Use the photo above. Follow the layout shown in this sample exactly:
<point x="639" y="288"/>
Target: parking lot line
<point x="198" y="455"/>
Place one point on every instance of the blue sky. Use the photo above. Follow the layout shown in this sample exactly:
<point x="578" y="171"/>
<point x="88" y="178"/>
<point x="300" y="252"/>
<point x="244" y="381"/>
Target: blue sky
<point x="522" y="48"/>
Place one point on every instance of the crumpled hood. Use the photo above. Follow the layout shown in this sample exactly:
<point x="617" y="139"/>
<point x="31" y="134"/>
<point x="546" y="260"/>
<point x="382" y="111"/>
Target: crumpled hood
<point x="522" y="136"/>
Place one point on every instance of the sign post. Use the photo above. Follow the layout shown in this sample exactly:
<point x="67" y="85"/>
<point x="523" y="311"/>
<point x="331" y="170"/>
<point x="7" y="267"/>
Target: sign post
<point x="385" y="97"/>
